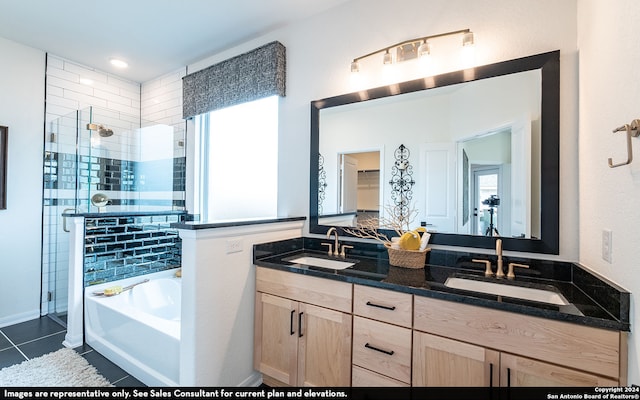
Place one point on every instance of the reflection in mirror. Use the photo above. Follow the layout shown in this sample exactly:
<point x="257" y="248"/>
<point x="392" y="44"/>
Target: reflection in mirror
<point x="478" y="118"/>
<point x="485" y="153"/>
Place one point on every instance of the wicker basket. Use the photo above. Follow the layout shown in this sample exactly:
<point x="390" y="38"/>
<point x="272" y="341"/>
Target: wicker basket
<point x="406" y="258"/>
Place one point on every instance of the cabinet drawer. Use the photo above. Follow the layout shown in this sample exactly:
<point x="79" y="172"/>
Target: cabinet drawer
<point x="308" y="289"/>
<point x="383" y="305"/>
<point x="576" y="346"/>
<point x="382" y="348"/>
<point x="364" y="378"/>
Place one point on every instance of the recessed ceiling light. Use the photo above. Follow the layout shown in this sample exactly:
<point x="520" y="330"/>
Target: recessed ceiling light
<point x="118" y="63"/>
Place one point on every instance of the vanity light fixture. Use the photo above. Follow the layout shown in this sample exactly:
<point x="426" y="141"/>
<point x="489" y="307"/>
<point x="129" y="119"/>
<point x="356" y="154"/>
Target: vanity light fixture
<point x="410" y="49"/>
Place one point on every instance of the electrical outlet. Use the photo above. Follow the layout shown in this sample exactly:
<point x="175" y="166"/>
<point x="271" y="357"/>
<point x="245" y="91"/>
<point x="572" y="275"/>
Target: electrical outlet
<point x="606" y="245"/>
<point x="234" y="245"/>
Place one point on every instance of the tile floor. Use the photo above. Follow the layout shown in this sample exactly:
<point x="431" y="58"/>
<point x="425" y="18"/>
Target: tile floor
<point x="37" y="337"/>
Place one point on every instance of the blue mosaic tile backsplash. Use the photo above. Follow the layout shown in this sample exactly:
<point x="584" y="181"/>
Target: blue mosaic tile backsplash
<point x="125" y="246"/>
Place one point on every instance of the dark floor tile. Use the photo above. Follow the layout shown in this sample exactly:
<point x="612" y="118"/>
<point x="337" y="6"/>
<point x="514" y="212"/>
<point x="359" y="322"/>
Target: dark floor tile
<point x="105" y="367"/>
<point x="42" y="346"/>
<point x="85" y="348"/>
<point x="129" y="381"/>
<point x="30" y="330"/>
<point x="4" y="343"/>
<point x="10" y="357"/>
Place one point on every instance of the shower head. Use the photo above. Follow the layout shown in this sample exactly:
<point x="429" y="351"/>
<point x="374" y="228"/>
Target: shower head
<point x="102" y="131"/>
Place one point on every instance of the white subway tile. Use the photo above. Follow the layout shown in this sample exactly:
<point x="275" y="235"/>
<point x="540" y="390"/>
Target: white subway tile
<point x="85" y="100"/>
<point x="124" y="84"/>
<point x="120" y="107"/>
<point x="85" y="72"/>
<point x="54" y="61"/>
<point x="111" y="97"/>
<point x="62" y="74"/>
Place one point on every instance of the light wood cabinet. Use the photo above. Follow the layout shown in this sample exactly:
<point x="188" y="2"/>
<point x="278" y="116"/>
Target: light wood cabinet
<point x="381" y="337"/>
<point x="362" y="377"/>
<point x="522" y="371"/>
<point x="383" y="305"/>
<point x="382" y="348"/>
<point x="439" y="361"/>
<point x="301" y="344"/>
<point x="275" y="346"/>
<point x="312" y="331"/>
<point x="531" y="351"/>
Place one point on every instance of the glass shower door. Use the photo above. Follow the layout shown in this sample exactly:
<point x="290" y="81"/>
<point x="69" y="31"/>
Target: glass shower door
<point x="66" y="143"/>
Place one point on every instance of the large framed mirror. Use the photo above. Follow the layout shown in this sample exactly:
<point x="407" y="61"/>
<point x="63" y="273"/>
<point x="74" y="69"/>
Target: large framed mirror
<point x="482" y="145"/>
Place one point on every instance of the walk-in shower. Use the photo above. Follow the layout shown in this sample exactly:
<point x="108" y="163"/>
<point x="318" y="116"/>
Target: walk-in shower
<point x="137" y="165"/>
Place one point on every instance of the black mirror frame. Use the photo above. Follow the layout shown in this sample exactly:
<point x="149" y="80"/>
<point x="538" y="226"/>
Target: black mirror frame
<point x="549" y="64"/>
<point x="4" y="143"/>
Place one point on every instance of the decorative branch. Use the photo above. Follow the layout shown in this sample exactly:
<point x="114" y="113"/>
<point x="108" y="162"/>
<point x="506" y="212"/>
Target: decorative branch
<point x="369" y="227"/>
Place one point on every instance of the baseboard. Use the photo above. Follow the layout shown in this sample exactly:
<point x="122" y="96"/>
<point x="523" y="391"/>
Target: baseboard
<point x="254" y="380"/>
<point x="18" y="318"/>
<point x="73" y="341"/>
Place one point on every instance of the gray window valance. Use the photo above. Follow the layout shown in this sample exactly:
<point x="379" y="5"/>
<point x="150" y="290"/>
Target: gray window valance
<point x="250" y="76"/>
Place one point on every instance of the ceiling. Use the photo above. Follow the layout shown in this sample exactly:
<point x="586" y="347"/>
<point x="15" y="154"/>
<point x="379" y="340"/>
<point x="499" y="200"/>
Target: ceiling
<point x="154" y="36"/>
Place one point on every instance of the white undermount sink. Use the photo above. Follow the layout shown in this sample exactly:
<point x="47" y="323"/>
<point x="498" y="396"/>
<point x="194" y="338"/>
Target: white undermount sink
<point x="499" y="289"/>
<point x="321" y="262"/>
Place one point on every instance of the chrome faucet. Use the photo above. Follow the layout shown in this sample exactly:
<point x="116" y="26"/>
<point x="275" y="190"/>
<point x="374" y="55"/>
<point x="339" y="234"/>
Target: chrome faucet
<point x="336" y="245"/>
<point x="499" y="271"/>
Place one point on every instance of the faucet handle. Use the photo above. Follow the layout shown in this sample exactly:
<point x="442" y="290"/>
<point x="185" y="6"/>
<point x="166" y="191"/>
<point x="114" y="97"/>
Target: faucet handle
<point x="342" y="253"/>
<point x="487" y="263"/>
<point x="510" y="274"/>
<point x="330" y="252"/>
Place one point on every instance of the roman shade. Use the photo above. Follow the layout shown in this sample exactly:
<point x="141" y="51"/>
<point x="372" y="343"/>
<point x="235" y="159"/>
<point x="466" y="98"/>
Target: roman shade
<point x="250" y="76"/>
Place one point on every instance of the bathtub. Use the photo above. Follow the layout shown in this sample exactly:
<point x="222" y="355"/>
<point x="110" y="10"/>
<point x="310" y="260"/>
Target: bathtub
<point x="139" y="329"/>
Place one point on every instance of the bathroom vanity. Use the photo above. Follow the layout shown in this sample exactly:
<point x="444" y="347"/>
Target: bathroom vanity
<point x="372" y="324"/>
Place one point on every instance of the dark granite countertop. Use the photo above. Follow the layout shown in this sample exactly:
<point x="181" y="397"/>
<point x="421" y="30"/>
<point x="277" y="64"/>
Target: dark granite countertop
<point x="123" y="213"/>
<point x="594" y="301"/>
<point x="196" y="225"/>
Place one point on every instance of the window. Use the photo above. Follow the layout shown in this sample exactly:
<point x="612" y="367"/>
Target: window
<point x="237" y="158"/>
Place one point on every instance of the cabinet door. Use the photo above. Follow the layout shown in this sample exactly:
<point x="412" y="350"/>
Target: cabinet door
<point x="276" y="337"/>
<point x="324" y="352"/>
<point x="438" y="361"/>
<point x="521" y="371"/>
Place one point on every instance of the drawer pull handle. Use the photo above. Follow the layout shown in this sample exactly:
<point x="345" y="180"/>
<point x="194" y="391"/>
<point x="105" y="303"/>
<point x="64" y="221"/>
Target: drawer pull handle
<point x="300" y="324"/>
<point x="490" y="374"/>
<point x="291" y="322"/>
<point x="381" y="306"/>
<point x="389" y="352"/>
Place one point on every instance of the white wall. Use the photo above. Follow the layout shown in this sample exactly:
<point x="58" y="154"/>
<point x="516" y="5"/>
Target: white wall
<point x="22" y="110"/>
<point x="216" y="347"/>
<point x="609" y="98"/>
<point x="320" y="49"/>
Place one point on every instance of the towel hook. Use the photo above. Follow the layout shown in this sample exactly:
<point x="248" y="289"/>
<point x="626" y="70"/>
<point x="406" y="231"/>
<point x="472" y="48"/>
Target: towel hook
<point x="632" y="129"/>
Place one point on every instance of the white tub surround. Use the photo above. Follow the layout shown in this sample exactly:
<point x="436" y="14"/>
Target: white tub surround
<point x="218" y="301"/>
<point x="130" y="327"/>
<point x="104" y="247"/>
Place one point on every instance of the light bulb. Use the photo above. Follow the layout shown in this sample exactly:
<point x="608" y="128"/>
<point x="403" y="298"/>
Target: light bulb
<point x="387" y="59"/>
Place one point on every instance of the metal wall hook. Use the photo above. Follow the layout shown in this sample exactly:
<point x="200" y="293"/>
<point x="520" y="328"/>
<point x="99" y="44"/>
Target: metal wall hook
<point x="632" y="130"/>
